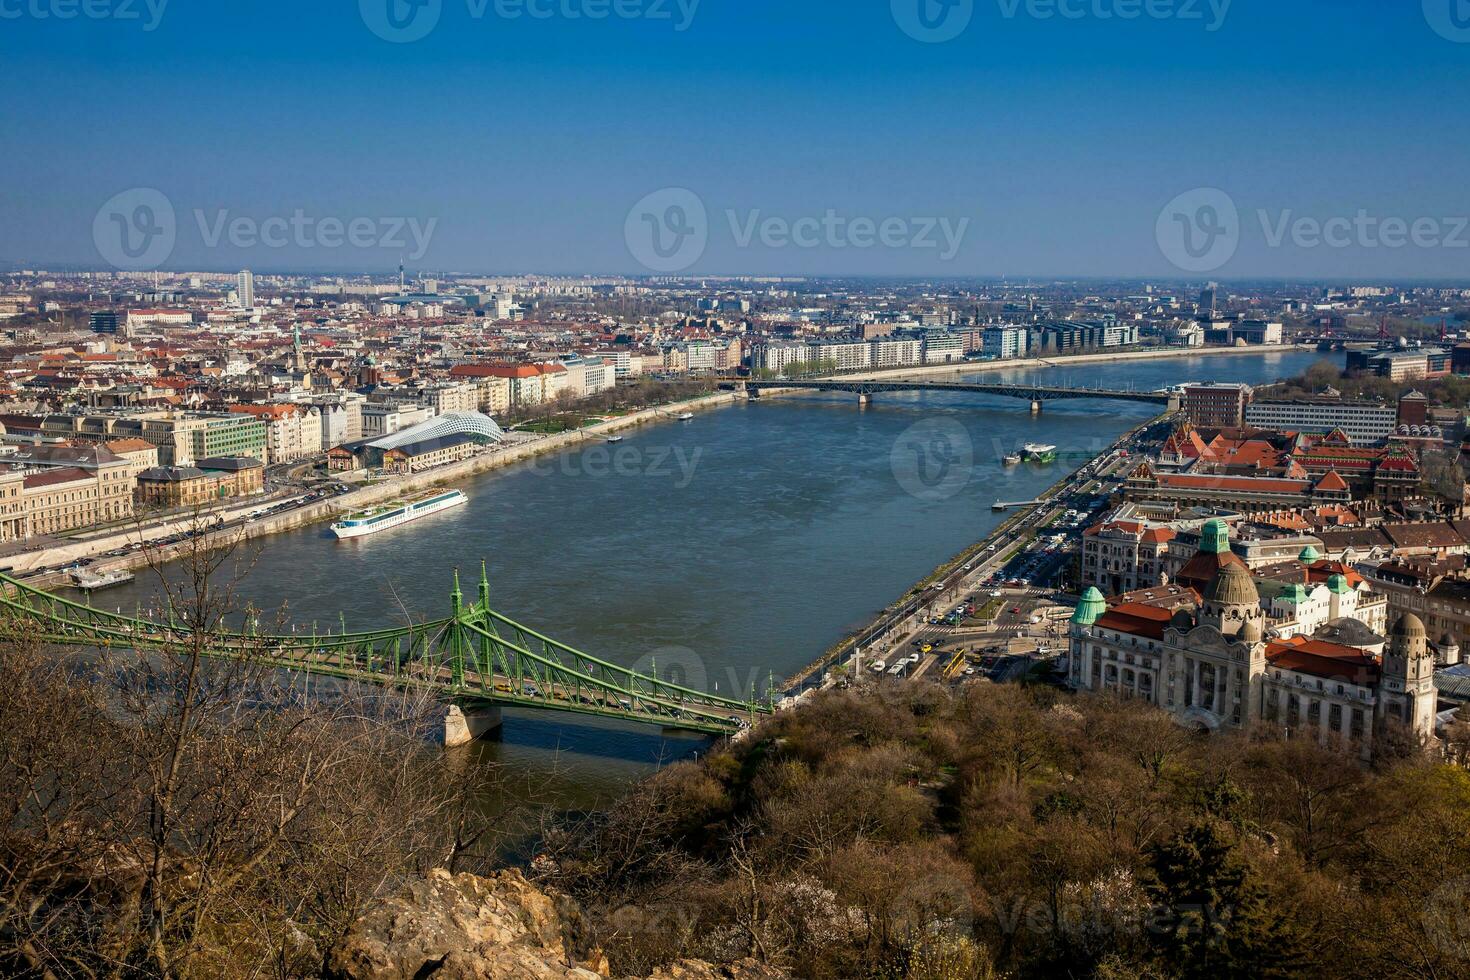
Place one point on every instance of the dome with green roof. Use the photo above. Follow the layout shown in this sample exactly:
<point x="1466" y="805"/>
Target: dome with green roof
<point x="1295" y="593"/>
<point x="1214" y="537"/>
<point x="1338" y="584"/>
<point x="1090" y="609"/>
<point x="1309" y="556"/>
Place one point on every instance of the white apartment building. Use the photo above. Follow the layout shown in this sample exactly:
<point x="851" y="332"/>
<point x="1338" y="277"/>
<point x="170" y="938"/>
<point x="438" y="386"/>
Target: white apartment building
<point x="943" y="347"/>
<point x="599" y="375"/>
<point x="1004" y="342"/>
<point x="777" y="356"/>
<point x="845" y="355"/>
<point x="623" y="362"/>
<point x="890" y="352"/>
<point x="701" y="355"/>
<point x="1364" y="423"/>
<point x="341" y="419"/>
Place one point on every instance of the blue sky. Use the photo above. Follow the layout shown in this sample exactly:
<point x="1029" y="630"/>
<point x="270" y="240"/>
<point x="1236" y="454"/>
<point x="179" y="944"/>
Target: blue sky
<point x="1046" y="145"/>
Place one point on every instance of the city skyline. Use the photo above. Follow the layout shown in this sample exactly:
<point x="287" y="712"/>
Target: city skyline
<point x="1027" y="145"/>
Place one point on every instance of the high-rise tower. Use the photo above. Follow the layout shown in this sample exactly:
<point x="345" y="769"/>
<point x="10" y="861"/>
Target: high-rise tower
<point x="245" y="289"/>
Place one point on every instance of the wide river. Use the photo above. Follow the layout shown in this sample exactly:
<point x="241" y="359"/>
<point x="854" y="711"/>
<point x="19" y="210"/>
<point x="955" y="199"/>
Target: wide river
<point x="727" y="549"/>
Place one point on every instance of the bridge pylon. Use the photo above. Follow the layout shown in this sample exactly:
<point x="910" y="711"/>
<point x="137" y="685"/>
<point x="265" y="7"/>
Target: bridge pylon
<point x="466" y="722"/>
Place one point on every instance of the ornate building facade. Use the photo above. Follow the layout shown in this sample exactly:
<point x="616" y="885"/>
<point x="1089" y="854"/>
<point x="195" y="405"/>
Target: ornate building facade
<point x="1225" y="664"/>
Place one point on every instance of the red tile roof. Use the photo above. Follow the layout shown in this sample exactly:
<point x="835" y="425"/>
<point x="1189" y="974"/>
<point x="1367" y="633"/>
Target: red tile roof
<point x="1252" y="484"/>
<point x="1136" y="619"/>
<point x="69" y="474"/>
<point x="1323" y="659"/>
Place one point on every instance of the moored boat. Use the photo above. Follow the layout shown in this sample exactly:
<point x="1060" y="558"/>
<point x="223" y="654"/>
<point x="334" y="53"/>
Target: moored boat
<point x="1038" y="453"/>
<point x="92" y="581"/>
<point x="397" y="513"/>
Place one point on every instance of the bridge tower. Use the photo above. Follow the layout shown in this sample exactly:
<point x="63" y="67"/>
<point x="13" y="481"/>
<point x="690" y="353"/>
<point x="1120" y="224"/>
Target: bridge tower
<point x="467" y="719"/>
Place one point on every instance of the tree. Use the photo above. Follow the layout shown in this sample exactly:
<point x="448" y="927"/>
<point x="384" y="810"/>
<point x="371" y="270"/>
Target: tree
<point x="1213" y="918"/>
<point x="1323" y="374"/>
<point x="175" y="813"/>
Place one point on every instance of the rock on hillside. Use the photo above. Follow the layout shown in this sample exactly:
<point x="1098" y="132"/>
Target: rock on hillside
<point x="465" y="927"/>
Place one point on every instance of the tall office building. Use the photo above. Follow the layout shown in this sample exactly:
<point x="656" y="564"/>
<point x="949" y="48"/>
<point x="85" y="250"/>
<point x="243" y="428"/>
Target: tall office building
<point x="104" y="321"/>
<point x="245" y="289"/>
<point x="1215" y="403"/>
<point x="1208" y="298"/>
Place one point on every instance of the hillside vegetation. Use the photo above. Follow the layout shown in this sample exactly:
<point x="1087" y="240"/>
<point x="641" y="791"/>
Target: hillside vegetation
<point x="1000" y="831"/>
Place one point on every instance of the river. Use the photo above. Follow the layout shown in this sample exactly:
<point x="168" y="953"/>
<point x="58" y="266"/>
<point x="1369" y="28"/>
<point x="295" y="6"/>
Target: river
<point x="726" y="549"/>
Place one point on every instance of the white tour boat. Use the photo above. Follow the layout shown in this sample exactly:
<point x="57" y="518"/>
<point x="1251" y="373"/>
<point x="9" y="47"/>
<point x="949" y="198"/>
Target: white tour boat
<point x="92" y="581"/>
<point x="398" y="513"/>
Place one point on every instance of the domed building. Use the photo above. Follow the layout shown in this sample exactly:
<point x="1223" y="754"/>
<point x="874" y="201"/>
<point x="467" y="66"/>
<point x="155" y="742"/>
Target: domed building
<point x="1230" y="662"/>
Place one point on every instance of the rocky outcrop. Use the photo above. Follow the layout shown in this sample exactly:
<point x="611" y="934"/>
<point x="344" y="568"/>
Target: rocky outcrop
<point x="465" y="927"/>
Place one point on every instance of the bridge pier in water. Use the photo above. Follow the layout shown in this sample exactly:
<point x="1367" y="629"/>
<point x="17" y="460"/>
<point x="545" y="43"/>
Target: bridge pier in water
<point x="1035" y="406"/>
<point x="465" y="723"/>
<point x="864" y="399"/>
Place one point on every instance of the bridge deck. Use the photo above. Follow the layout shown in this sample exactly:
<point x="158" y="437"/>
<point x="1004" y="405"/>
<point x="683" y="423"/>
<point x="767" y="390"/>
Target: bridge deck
<point x="1026" y="391"/>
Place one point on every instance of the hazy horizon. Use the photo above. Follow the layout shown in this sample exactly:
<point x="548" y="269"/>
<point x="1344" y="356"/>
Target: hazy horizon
<point x="1232" y="141"/>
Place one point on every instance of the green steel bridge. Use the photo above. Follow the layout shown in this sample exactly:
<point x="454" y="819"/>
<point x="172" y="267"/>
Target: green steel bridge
<point x="475" y="658"/>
